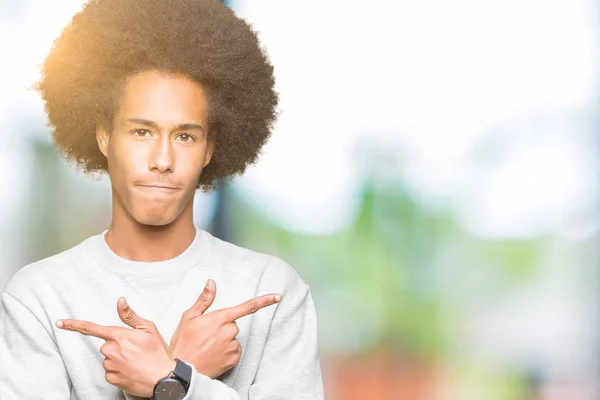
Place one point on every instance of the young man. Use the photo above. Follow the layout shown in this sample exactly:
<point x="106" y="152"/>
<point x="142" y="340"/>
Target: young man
<point x="166" y="97"/>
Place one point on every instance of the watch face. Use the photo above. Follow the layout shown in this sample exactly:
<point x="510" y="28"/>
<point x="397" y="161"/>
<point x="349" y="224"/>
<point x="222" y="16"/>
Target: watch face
<point x="169" y="389"/>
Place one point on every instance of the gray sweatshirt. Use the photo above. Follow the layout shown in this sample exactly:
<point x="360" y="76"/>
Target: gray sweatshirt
<point x="39" y="361"/>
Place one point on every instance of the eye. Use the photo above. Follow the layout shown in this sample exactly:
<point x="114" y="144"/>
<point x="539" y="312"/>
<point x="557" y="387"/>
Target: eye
<point x="141" y="132"/>
<point x="187" y="137"/>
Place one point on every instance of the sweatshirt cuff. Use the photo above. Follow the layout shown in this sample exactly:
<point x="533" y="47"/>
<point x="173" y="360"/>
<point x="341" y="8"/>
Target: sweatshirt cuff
<point x="203" y="387"/>
<point x="129" y="396"/>
<point x="198" y="389"/>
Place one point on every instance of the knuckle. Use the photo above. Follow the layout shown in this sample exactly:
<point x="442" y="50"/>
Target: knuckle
<point x="230" y="330"/>
<point x="222" y="316"/>
<point x="252" y="306"/>
<point x="204" y="298"/>
<point x="107" y="349"/>
<point x="232" y="361"/>
<point x="235" y="346"/>
<point x="109" y="377"/>
<point x="115" y="335"/>
<point x="267" y="301"/>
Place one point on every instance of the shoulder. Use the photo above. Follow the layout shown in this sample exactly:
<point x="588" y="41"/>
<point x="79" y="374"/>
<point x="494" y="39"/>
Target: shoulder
<point x="33" y="280"/>
<point x="268" y="270"/>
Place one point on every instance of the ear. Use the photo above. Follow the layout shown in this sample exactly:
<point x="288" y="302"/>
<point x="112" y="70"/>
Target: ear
<point x="103" y="138"/>
<point x="210" y="151"/>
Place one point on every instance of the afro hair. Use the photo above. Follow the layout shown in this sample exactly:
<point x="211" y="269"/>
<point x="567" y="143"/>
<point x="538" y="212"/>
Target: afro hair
<point x="110" y="40"/>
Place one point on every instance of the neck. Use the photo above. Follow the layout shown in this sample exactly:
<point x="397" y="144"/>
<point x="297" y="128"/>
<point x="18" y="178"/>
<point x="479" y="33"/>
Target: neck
<point x="148" y="243"/>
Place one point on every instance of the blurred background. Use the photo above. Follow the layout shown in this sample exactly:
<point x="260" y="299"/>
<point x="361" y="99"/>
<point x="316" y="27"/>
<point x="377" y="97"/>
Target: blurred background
<point x="433" y="176"/>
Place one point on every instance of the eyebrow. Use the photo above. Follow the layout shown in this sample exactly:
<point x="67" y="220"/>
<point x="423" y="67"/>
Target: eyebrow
<point x="152" y="124"/>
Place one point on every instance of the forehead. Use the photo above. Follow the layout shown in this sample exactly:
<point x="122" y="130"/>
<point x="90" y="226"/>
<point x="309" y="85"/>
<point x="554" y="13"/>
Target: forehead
<point x="162" y="97"/>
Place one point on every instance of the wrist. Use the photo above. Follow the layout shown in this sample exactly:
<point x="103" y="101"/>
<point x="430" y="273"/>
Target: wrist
<point x="163" y="371"/>
<point x="175" y="385"/>
<point x="168" y="368"/>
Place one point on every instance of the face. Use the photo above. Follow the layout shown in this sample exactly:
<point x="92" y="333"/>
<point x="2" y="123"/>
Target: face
<point x="158" y="146"/>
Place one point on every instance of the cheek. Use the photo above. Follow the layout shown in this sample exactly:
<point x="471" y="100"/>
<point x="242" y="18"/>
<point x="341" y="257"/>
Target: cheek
<point x="189" y="166"/>
<point x="125" y="159"/>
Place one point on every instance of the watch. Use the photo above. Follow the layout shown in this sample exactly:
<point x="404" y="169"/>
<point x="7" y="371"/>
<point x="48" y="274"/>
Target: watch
<point x="175" y="385"/>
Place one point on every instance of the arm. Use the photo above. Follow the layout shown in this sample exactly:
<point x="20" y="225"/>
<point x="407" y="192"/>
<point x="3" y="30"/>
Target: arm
<point x="30" y="364"/>
<point x="290" y="367"/>
<point x="202" y="388"/>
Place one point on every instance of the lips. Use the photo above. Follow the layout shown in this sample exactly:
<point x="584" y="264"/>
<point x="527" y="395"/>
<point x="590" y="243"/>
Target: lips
<point x="157" y="187"/>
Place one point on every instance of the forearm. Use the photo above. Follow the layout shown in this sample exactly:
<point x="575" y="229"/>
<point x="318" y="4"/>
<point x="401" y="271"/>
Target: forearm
<point x="293" y="333"/>
<point x="203" y="388"/>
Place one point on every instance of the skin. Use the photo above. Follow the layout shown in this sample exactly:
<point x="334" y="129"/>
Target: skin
<point x="151" y="223"/>
<point x="135" y="359"/>
<point x="156" y="152"/>
<point x="216" y="350"/>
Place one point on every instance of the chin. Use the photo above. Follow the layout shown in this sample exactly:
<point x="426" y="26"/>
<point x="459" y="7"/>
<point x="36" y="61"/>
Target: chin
<point x="154" y="217"/>
<point x="153" y="222"/>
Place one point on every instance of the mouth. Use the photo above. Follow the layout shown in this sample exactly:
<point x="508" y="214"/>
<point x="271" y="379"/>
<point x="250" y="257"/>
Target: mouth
<point x="158" y="188"/>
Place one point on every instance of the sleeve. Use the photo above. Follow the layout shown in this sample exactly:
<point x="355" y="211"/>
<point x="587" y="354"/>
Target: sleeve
<point x="290" y="367"/>
<point x="204" y="388"/>
<point x="30" y="364"/>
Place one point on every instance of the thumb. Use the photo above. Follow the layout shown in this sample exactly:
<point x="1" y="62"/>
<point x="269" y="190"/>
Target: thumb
<point x="128" y="316"/>
<point x="206" y="298"/>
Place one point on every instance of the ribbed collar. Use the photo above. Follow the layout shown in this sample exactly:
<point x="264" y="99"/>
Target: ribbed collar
<point x="184" y="261"/>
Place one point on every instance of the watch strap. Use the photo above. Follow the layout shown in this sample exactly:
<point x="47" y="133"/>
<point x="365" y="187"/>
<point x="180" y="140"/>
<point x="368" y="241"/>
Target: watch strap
<point x="183" y="372"/>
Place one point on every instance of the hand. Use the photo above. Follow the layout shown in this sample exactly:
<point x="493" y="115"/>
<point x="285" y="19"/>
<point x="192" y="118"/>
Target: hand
<point x="135" y="359"/>
<point x="208" y="340"/>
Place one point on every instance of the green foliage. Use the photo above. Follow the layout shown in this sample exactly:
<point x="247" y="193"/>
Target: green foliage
<point x="400" y="262"/>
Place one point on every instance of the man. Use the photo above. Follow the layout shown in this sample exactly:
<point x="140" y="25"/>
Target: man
<point x="166" y="97"/>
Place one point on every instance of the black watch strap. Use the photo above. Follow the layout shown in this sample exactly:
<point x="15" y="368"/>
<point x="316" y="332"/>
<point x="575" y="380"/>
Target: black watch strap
<point x="183" y="372"/>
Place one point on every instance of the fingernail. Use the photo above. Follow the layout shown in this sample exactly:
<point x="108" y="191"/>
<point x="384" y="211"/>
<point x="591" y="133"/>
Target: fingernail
<point x="210" y="285"/>
<point x="123" y="302"/>
<point x="59" y="324"/>
<point x="277" y="298"/>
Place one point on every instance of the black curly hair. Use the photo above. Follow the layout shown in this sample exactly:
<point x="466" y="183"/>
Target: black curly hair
<point x="110" y="40"/>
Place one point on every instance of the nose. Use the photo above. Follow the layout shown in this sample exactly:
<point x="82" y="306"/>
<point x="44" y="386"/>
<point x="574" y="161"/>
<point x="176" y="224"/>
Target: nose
<point x="162" y="158"/>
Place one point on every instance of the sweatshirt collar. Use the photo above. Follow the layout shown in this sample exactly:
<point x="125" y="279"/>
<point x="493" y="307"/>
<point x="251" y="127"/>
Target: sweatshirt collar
<point x="179" y="264"/>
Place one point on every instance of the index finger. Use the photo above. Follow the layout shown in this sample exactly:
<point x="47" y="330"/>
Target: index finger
<point x="86" y="328"/>
<point x="251" y="306"/>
